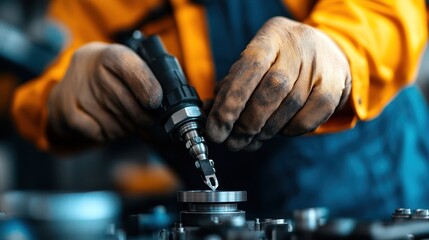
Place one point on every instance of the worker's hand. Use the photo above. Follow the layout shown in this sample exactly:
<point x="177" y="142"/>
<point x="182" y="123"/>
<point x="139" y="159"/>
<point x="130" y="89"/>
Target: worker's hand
<point x="289" y="79"/>
<point x="107" y="92"/>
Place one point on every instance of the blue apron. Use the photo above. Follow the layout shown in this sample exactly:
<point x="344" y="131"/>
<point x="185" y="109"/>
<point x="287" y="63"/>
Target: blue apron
<point x="364" y="173"/>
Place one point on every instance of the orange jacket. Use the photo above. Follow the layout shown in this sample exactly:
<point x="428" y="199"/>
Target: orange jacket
<point x="383" y="40"/>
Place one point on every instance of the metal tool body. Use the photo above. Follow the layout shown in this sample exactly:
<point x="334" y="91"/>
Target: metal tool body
<point x="180" y="113"/>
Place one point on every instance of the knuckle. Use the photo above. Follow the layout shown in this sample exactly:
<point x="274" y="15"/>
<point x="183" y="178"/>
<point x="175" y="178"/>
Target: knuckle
<point x="303" y="30"/>
<point x="257" y="63"/>
<point x="237" y="142"/>
<point x="73" y="121"/>
<point x="224" y="119"/>
<point x="295" y="102"/>
<point x="278" y="83"/>
<point x="81" y="52"/>
<point x="247" y="128"/>
<point x="217" y="132"/>
<point x="305" y="38"/>
<point x="276" y="21"/>
<point x="89" y="49"/>
<point x="310" y="126"/>
<point x="328" y="102"/>
<point x="305" y="125"/>
<point x="225" y="110"/>
<point x="251" y="60"/>
<point x="116" y="55"/>
<point x="265" y="135"/>
<point x="109" y="56"/>
<point x="113" y="50"/>
<point x="252" y="57"/>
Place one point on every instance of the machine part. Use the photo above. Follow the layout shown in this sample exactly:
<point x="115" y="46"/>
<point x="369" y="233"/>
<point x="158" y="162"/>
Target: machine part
<point x="148" y="223"/>
<point x="198" y="196"/>
<point x="182" y="115"/>
<point x="257" y="225"/>
<point x="420" y="214"/>
<point x="212" y="207"/>
<point x="195" y="143"/>
<point x="277" y="229"/>
<point x="274" y="222"/>
<point x="375" y="230"/>
<point x="180" y="112"/>
<point x="401" y="214"/>
<point x="65" y="216"/>
<point x="310" y="219"/>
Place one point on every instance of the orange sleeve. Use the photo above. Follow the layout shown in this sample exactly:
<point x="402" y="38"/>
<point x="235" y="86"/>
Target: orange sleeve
<point x="84" y="21"/>
<point x="383" y="41"/>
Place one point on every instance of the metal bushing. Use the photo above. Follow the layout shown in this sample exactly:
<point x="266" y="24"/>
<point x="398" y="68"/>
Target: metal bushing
<point x="211" y="207"/>
<point x="421" y="214"/>
<point x="401" y="213"/>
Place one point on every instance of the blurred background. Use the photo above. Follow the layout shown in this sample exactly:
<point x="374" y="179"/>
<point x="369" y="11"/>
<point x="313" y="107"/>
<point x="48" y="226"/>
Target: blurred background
<point x="28" y="43"/>
<point x="62" y="188"/>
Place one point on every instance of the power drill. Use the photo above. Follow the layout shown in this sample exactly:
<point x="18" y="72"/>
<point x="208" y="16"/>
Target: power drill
<point x="181" y="115"/>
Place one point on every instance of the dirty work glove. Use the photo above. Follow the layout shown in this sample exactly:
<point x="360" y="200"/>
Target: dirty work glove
<point x="290" y="79"/>
<point x="107" y="92"/>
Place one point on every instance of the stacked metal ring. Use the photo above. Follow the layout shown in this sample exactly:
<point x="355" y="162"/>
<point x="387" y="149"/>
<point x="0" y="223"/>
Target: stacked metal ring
<point x="211" y="207"/>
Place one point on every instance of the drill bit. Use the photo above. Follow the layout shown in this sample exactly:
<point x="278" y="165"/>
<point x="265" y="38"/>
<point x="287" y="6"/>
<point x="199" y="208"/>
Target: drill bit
<point x="207" y="170"/>
<point x="195" y="143"/>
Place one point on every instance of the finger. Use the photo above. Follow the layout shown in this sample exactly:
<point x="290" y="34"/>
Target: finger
<point x="290" y="105"/>
<point x="78" y="120"/>
<point x="319" y="107"/>
<point x="241" y="81"/>
<point x="120" y="116"/>
<point x="267" y="97"/>
<point x="110" y="126"/>
<point x="253" y="146"/>
<point x="123" y="103"/>
<point x="71" y="124"/>
<point x="134" y="73"/>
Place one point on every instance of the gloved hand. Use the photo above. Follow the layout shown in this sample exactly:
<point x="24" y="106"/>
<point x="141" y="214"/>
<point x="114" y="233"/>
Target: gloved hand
<point x="290" y="79"/>
<point x="107" y="92"/>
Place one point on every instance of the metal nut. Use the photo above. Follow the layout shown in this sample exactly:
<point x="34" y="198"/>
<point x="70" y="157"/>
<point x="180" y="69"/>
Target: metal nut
<point x="181" y="115"/>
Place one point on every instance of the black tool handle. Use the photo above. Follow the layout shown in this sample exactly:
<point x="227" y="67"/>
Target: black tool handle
<point x="177" y="92"/>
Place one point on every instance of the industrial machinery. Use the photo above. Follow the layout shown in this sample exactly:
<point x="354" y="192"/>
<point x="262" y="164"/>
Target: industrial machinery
<point x="204" y="215"/>
<point x="215" y="215"/>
